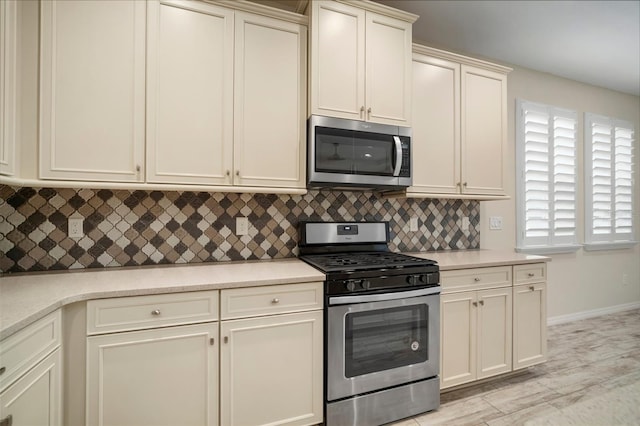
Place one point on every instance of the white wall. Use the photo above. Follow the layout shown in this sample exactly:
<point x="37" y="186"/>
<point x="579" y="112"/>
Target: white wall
<point x="580" y="283"/>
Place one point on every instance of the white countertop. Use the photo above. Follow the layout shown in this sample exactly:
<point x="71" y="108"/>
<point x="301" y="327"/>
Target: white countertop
<point x="24" y="298"/>
<point x="464" y="259"/>
<point x="28" y="297"/>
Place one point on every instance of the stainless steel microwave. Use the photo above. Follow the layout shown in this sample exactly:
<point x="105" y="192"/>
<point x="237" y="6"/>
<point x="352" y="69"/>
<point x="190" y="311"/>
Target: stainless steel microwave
<point x="351" y="154"/>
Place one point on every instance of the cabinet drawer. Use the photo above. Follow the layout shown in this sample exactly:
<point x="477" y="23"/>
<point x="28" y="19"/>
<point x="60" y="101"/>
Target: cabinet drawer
<point x="475" y="279"/>
<point x="24" y="349"/>
<point x="533" y="273"/>
<point x="160" y="310"/>
<point x="266" y="300"/>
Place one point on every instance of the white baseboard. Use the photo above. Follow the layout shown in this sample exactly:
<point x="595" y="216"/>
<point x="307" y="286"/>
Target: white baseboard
<point x="560" y="319"/>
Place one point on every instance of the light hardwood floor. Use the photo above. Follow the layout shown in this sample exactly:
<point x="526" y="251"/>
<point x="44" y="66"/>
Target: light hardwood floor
<point x="592" y="377"/>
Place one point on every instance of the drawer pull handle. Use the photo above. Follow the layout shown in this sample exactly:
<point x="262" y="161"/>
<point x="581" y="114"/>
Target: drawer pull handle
<point x="530" y="274"/>
<point x="2" y="370"/>
<point x="532" y="288"/>
<point x="476" y="279"/>
<point x="275" y="300"/>
<point x="226" y="339"/>
<point x="7" y="421"/>
<point x="155" y="312"/>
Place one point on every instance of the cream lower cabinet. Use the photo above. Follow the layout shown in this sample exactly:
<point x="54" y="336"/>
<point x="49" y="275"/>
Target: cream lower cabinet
<point x="163" y="373"/>
<point x="271" y="360"/>
<point x="226" y="96"/>
<point x="493" y="321"/>
<point x="166" y="376"/>
<point x="529" y="316"/>
<point x="30" y="375"/>
<point x="459" y="115"/>
<point x="475" y="335"/>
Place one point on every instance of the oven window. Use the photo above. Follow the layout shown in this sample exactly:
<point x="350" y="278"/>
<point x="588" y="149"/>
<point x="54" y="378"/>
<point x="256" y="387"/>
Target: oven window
<point x="382" y="339"/>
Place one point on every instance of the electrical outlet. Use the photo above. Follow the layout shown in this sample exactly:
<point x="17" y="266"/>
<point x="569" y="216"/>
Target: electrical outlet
<point x="242" y="225"/>
<point x="465" y="223"/>
<point x="413" y="224"/>
<point x="76" y="228"/>
<point x="495" y="222"/>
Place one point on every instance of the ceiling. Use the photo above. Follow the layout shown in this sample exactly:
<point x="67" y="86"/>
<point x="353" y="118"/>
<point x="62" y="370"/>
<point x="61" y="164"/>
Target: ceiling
<point x="595" y="42"/>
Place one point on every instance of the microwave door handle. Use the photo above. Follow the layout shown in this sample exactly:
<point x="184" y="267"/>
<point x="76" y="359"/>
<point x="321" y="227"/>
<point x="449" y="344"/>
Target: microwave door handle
<point x="396" y="172"/>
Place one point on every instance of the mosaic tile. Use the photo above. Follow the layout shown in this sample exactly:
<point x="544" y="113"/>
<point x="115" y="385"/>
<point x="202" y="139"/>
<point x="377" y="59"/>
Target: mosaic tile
<point x="133" y="228"/>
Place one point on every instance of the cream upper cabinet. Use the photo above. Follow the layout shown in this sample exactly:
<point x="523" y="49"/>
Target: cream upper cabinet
<point x="361" y="62"/>
<point x="459" y="120"/>
<point x="189" y="93"/>
<point x="271" y="355"/>
<point x="226" y="97"/>
<point x="484" y="130"/>
<point x="529" y="316"/>
<point x="92" y="109"/>
<point x="8" y="63"/>
<point x="436" y="127"/>
<point x="269" y="102"/>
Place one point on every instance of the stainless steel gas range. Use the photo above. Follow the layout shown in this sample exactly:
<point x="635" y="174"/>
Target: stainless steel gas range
<point x="382" y="331"/>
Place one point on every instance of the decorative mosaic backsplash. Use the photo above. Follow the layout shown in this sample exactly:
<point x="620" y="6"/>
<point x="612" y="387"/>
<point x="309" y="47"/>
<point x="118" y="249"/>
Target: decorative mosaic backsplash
<point x="132" y="228"/>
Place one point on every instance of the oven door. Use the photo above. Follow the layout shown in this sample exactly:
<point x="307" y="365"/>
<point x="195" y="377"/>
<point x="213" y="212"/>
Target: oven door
<point x="381" y="340"/>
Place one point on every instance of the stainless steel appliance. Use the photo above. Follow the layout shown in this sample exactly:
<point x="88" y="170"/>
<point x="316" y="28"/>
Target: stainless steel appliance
<point x="382" y="329"/>
<point x="351" y="154"/>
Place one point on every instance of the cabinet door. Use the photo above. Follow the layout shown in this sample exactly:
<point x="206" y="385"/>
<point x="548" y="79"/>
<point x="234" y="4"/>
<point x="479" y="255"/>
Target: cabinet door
<point x="337" y="60"/>
<point x="494" y="331"/>
<point x="189" y="93"/>
<point x="270" y="102"/>
<point x="530" y="325"/>
<point x="458" y="329"/>
<point x="92" y="90"/>
<point x="8" y="45"/>
<point x="436" y="126"/>
<point x="388" y="70"/>
<point x="166" y="376"/>
<point x="35" y="399"/>
<point x="271" y="370"/>
<point x="484" y="127"/>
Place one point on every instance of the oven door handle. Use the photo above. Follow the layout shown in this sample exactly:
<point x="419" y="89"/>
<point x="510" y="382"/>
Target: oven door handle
<point x="363" y="298"/>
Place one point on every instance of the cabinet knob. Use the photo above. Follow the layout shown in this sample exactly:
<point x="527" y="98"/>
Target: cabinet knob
<point x="226" y="339"/>
<point x="238" y="173"/>
<point x="482" y="303"/>
<point x="369" y="113"/>
<point x="2" y="370"/>
<point x="532" y="288"/>
<point x="7" y="421"/>
<point x="155" y="312"/>
<point x="475" y="303"/>
<point x="464" y="184"/>
<point x="362" y="110"/>
<point x="530" y="274"/>
<point x="476" y="279"/>
<point x="458" y="184"/>
<point x="275" y="300"/>
<point x="228" y="173"/>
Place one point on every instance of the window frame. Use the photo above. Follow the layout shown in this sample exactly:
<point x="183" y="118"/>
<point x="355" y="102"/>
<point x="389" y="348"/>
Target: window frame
<point x="611" y="240"/>
<point x="552" y="243"/>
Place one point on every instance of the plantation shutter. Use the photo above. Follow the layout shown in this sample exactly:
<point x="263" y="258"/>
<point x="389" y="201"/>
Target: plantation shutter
<point x="608" y="165"/>
<point x="546" y="177"/>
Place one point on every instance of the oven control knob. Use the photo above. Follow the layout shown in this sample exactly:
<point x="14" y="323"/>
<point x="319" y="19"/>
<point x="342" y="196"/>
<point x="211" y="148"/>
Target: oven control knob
<point x="412" y="279"/>
<point x="351" y="285"/>
<point x="366" y="284"/>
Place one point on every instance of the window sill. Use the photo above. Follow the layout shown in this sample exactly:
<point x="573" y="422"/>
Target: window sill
<point x="571" y="248"/>
<point x="618" y="245"/>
